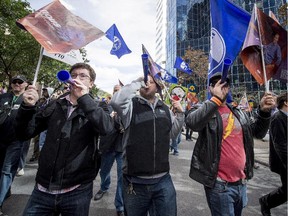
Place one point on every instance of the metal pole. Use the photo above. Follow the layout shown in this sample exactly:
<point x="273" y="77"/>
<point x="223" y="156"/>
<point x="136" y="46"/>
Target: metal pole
<point x="38" y="66"/>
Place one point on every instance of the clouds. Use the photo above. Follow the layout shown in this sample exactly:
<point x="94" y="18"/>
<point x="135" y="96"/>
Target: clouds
<point x="136" y="23"/>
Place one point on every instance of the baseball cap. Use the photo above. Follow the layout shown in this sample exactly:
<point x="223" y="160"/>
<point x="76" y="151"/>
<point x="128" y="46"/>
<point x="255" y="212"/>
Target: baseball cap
<point x="19" y="77"/>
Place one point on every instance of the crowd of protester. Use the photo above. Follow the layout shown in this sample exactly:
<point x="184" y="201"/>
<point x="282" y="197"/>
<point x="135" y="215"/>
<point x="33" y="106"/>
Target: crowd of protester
<point x="135" y="128"/>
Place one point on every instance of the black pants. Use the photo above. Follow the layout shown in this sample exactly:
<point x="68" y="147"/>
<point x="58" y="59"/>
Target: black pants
<point x="278" y="196"/>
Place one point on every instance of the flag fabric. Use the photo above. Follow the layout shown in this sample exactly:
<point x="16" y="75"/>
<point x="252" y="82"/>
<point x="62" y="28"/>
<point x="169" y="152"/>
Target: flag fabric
<point x="153" y="68"/>
<point x="276" y="64"/>
<point x="229" y="24"/>
<point x="182" y="65"/>
<point x="166" y="76"/>
<point x="71" y="58"/>
<point x="119" y="46"/>
<point x="58" y="30"/>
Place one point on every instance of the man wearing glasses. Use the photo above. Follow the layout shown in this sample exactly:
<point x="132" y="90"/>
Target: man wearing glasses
<point x="10" y="146"/>
<point x="67" y="168"/>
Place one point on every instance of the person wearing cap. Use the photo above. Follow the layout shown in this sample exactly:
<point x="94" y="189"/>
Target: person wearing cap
<point x="223" y="155"/>
<point x="277" y="155"/>
<point x="67" y="163"/>
<point x="148" y="125"/>
<point x="10" y="146"/>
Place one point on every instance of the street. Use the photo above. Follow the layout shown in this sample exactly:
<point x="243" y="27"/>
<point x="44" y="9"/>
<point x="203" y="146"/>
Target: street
<point x="190" y="194"/>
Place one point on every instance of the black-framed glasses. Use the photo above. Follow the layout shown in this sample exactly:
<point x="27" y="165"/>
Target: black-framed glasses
<point x="18" y="81"/>
<point x="82" y="76"/>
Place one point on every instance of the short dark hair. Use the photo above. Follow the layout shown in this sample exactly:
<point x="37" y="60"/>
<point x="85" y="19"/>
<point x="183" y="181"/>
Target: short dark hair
<point x="281" y="99"/>
<point x="84" y="66"/>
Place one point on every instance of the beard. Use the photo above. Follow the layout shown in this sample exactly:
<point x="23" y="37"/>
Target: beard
<point x="147" y="93"/>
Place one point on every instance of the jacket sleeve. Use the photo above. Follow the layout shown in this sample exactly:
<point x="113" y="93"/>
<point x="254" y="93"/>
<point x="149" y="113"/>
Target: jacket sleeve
<point x="122" y="101"/>
<point x="101" y="120"/>
<point x="198" y="118"/>
<point x="261" y="124"/>
<point x="278" y="132"/>
<point x="177" y="124"/>
<point x="26" y="126"/>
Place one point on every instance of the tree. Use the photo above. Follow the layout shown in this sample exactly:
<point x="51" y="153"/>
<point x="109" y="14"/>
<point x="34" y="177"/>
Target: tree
<point x="198" y="62"/>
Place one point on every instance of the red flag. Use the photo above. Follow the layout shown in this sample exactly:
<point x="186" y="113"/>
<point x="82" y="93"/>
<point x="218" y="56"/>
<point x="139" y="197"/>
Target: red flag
<point x="58" y="30"/>
<point x="251" y="53"/>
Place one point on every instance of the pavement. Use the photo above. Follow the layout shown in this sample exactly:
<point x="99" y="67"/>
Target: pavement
<point x="191" y="198"/>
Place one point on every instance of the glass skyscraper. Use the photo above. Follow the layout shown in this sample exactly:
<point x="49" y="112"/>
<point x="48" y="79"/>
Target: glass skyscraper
<point x="188" y="25"/>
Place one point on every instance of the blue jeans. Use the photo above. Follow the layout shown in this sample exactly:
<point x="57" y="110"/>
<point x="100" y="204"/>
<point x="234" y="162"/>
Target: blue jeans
<point x="175" y="143"/>
<point x="107" y="160"/>
<point x="159" y="198"/>
<point x="42" y="138"/>
<point x="24" y="152"/>
<point x="73" y="203"/>
<point x="9" y="169"/>
<point x="226" y="200"/>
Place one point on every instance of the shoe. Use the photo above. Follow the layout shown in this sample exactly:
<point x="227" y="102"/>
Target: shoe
<point x="176" y="153"/>
<point x="1" y="212"/>
<point x="264" y="208"/>
<point x="99" y="195"/>
<point x="120" y="213"/>
<point x="256" y="166"/>
<point x="33" y="159"/>
<point x="20" y="173"/>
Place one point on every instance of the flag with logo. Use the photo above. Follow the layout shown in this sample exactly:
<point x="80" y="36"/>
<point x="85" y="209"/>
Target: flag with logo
<point x="119" y="46"/>
<point x="166" y="76"/>
<point x="58" y="30"/>
<point x="181" y="65"/>
<point x="229" y="24"/>
<point x="274" y="52"/>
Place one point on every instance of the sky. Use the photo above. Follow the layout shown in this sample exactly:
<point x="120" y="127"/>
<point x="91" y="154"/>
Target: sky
<point x="136" y="22"/>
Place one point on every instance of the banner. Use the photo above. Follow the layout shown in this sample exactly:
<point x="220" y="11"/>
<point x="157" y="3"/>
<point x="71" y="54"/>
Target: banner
<point x="166" y="76"/>
<point x="58" y="30"/>
<point x="229" y="24"/>
<point x="119" y="46"/>
<point x="274" y="40"/>
<point x="182" y="65"/>
<point x="71" y="58"/>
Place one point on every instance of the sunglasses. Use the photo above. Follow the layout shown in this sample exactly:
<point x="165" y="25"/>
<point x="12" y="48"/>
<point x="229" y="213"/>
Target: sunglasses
<point x="18" y="81"/>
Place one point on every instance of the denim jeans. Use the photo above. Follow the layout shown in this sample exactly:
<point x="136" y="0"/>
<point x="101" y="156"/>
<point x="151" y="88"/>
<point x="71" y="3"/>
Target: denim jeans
<point x="23" y="155"/>
<point x="42" y="138"/>
<point x="9" y="168"/>
<point x="175" y="143"/>
<point x="73" y="203"/>
<point x="107" y="160"/>
<point x="159" y="198"/>
<point x="226" y="200"/>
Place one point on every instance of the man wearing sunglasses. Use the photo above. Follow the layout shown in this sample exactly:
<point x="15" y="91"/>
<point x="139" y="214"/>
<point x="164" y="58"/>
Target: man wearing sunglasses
<point x="10" y="146"/>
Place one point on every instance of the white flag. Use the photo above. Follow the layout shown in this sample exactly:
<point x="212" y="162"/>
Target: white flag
<point x="71" y="58"/>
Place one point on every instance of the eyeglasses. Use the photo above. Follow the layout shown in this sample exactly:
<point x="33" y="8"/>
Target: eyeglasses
<point x="82" y="76"/>
<point x="17" y="81"/>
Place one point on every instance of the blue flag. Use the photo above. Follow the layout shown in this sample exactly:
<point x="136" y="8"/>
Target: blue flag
<point x="229" y="24"/>
<point x="119" y="46"/>
<point x="182" y="65"/>
<point x="166" y="76"/>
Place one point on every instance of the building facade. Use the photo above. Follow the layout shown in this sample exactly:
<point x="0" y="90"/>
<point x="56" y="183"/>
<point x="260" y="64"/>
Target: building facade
<point x="189" y="26"/>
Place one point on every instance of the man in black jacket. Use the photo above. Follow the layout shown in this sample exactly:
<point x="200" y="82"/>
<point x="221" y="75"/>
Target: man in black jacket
<point x="223" y="155"/>
<point x="67" y="168"/>
<point x="278" y="156"/>
<point x="10" y="146"/>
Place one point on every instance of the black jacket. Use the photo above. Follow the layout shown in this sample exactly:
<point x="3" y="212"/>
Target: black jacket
<point x="278" y="143"/>
<point x="67" y="157"/>
<point x="7" y="133"/>
<point x="207" y="121"/>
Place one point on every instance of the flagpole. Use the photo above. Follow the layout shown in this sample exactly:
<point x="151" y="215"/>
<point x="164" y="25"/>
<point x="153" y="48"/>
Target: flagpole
<point x="262" y="53"/>
<point x="38" y="66"/>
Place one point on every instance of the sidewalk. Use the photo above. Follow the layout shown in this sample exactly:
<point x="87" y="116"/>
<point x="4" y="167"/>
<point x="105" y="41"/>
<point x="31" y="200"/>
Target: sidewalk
<point x="261" y="149"/>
